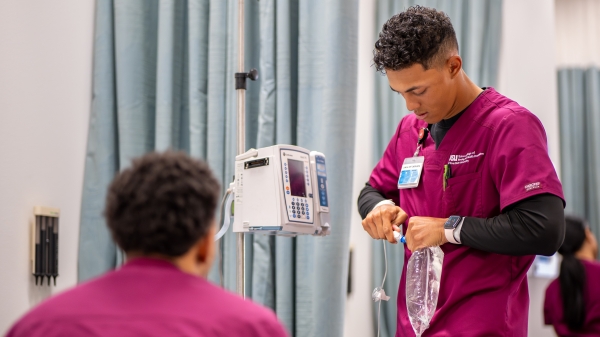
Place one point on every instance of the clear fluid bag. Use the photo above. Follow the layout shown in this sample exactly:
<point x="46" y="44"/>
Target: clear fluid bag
<point x="423" y="276"/>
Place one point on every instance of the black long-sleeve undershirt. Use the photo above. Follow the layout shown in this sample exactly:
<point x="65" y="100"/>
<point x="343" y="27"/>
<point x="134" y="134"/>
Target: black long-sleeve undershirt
<point x="533" y="226"/>
<point x="367" y="199"/>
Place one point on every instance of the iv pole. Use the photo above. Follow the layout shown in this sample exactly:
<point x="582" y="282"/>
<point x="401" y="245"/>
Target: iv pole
<point x="241" y="146"/>
<point x="240" y="87"/>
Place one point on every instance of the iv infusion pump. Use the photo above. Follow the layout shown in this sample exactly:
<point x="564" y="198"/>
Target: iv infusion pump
<point x="281" y="190"/>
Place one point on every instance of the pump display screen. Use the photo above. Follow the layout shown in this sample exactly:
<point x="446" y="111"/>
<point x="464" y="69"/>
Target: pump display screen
<point x="297" y="183"/>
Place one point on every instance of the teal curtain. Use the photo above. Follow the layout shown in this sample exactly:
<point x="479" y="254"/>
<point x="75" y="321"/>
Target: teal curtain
<point x="163" y="78"/>
<point x="477" y="24"/>
<point x="579" y="111"/>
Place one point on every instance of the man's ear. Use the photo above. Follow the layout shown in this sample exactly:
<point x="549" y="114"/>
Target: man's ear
<point x="205" y="248"/>
<point x="454" y="65"/>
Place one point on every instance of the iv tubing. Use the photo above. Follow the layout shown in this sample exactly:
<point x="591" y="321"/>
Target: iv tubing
<point x="225" y="214"/>
<point x="382" y="282"/>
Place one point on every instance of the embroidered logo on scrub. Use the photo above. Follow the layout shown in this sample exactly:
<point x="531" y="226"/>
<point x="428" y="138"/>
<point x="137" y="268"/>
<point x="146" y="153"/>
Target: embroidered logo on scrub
<point x="532" y="186"/>
<point x="457" y="159"/>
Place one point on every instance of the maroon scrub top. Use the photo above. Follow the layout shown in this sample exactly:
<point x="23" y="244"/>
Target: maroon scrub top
<point x="148" y="297"/>
<point x="553" y="309"/>
<point x="498" y="154"/>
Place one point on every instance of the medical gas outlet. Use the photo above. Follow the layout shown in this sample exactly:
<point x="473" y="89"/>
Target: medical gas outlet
<point x="44" y="244"/>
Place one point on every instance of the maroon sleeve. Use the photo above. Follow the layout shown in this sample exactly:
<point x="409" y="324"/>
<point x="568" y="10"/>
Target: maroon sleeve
<point x="384" y="177"/>
<point x="521" y="167"/>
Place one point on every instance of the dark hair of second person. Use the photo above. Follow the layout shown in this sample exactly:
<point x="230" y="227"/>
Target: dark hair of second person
<point x="163" y="204"/>
<point x="572" y="276"/>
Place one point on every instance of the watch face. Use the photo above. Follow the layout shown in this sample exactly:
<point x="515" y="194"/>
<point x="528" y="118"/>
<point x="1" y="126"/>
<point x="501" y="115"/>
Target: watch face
<point x="452" y="222"/>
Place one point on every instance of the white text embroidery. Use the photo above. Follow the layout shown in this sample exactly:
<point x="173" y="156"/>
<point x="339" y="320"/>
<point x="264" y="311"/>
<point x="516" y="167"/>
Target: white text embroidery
<point x="456" y="159"/>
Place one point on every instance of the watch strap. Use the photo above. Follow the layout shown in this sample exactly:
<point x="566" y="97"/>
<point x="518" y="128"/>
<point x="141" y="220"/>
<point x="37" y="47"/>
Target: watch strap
<point x="450" y="233"/>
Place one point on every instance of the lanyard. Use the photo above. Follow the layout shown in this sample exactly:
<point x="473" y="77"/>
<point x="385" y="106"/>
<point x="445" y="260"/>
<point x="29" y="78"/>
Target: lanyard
<point x="412" y="167"/>
<point x="423" y="132"/>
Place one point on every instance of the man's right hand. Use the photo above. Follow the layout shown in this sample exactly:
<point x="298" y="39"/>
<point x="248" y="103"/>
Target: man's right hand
<point x="379" y="221"/>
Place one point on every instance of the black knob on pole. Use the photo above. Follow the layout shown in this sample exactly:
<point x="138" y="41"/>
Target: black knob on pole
<point x="253" y="74"/>
<point x="240" y="78"/>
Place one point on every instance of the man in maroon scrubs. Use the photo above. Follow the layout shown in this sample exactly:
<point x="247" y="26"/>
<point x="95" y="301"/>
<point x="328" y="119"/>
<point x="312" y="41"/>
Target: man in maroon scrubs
<point x="161" y="213"/>
<point x="487" y="192"/>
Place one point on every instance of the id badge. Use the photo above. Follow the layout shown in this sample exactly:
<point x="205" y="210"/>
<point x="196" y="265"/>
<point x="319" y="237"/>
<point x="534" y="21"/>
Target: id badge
<point x="411" y="172"/>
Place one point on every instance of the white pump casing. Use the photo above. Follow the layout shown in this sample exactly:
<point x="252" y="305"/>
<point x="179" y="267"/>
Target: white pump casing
<point x="281" y="190"/>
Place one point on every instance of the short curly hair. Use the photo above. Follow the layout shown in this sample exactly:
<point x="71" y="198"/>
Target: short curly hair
<point x="163" y="204"/>
<point x="418" y="35"/>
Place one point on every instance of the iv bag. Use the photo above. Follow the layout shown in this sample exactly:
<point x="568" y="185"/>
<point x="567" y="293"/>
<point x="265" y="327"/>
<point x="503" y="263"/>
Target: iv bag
<point x="423" y="276"/>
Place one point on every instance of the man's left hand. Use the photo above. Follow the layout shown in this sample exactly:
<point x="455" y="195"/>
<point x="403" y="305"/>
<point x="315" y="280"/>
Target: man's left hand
<point x="425" y="232"/>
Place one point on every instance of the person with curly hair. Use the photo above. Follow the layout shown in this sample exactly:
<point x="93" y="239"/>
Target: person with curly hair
<point x="468" y="171"/>
<point x="161" y="213"/>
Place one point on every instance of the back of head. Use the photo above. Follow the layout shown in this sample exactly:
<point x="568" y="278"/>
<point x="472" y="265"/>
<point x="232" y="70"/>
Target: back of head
<point x="163" y="204"/>
<point x="418" y="35"/>
<point x="572" y="273"/>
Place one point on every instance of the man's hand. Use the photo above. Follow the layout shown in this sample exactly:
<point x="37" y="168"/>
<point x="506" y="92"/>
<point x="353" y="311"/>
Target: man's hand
<point x="380" y="220"/>
<point x="425" y="232"/>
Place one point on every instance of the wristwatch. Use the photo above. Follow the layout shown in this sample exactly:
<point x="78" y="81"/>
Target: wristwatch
<point x="450" y="226"/>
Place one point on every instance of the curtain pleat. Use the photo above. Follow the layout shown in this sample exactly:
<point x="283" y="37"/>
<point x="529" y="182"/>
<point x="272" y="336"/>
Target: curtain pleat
<point x="579" y="113"/>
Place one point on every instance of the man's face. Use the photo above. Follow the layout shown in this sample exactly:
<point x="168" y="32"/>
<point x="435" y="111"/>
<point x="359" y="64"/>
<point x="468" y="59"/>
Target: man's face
<point x="429" y="94"/>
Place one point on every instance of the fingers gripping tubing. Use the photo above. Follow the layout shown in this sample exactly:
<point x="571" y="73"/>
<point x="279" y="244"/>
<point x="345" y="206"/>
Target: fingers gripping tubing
<point x="399" y="237"/>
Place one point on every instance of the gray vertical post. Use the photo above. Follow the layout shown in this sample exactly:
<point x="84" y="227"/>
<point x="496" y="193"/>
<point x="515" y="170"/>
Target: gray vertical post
<point x="241" y="146"/>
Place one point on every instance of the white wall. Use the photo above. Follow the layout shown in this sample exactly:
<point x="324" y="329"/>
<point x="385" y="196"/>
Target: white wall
<point x="578" y="33"/>
<point x="45" y="94"/>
